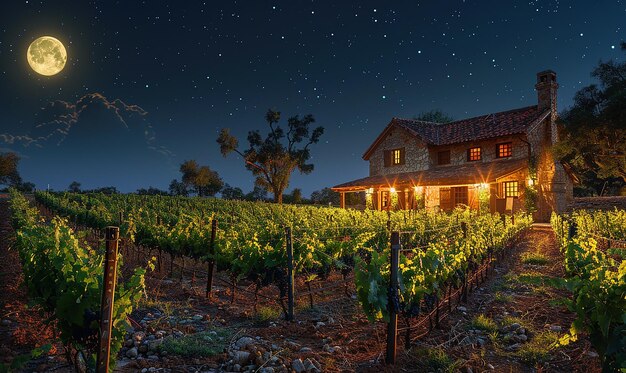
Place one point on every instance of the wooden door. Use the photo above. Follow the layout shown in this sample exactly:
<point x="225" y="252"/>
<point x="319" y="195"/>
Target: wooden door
<point x="445" y="199"/>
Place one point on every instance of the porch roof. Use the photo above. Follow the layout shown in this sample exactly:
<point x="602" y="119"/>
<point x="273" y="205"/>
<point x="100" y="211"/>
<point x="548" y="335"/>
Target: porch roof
<point x="469" y="173"/>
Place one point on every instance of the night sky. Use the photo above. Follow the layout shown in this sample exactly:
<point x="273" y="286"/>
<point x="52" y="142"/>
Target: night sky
<point x="149" y="85"/>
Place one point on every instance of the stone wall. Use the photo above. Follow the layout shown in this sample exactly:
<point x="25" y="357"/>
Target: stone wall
<point x="554" y="185"/>
<point x="419" y="156"/>
<point x="416" y="153"/>
<point x="458" y="152"/>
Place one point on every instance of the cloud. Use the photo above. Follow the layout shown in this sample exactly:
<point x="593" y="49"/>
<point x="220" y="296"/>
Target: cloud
<point x="58" y="117"/>
<point x="93" y="136"/>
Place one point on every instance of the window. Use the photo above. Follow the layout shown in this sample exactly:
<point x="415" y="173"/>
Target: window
<point x="394" y="157"/>
<point x="443" y="157"/>
<point x="473" y="154"/>
<point x="504" y="150"/>
<point x="510" y="189"/>
<point x="452" y="197"/>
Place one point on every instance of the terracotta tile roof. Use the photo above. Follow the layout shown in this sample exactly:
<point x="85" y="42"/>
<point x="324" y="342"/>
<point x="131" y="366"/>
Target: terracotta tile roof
<point x="469" y="173"/>
<point x="493" y="125"/>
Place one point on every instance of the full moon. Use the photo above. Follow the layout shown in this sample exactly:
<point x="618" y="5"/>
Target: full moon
<point x="46" y="55"/>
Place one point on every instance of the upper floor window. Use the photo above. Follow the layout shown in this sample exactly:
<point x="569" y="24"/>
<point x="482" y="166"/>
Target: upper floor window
<point x="510" y="189"/>
<point x="443" y="157"/>
<point x="504" y="150"/>
<point x="473" y="154"/>
<point x="394" y="157"/>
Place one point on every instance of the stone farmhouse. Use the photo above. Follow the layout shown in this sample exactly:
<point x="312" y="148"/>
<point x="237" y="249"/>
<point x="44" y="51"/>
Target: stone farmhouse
<point x="500" y="161"/>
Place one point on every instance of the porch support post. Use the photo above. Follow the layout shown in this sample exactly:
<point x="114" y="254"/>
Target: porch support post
<point x="342" y="200"/>
<point x="406" y="199"/>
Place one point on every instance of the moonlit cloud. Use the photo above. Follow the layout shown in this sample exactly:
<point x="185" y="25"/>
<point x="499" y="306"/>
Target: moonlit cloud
<point x="94" y="138"/>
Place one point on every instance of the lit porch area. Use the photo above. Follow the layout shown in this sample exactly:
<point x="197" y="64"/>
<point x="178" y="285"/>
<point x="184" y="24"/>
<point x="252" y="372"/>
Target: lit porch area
<point x="478" y="185"/>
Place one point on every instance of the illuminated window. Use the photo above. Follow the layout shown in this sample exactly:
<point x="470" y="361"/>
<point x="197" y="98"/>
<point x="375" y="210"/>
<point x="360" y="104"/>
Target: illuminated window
<point x="396" y="156"/>
<point x="473" y="154"/>
<point x="504" y="150"/>
<point x="510" y="189"/>
<point x="443" y="157"/>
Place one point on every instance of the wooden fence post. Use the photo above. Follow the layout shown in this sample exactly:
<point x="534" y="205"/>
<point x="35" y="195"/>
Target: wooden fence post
<point x="573" y="230"/>
<point x="209" y="280"/>
<point x="290" y="275"/>
<point x="392" y="327"/>
<point x="112" y="235"/>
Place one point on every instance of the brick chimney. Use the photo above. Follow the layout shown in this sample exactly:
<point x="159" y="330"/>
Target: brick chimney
<point x="546" y="90"/>
<point x="546" y="99"/>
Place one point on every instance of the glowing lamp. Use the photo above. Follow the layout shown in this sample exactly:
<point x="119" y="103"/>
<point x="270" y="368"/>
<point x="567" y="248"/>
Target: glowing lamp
<point x="370" y="191"/>
<point x="392" y="190"/>
<point x="531" y="182"/>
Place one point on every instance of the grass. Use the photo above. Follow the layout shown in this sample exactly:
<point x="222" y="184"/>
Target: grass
<point x="433" y="360"/>
<point x="534" y="258"/>
<point x="508" y="320"/>
<point x="166" y="307"/>
<point x="202" y="344"/>
<point x="502" y="297"/>
<point x="539" y="348"/>
<point x="482" y="322"/>
<point x="265" y="313"/>
<point x="536" y="281"/>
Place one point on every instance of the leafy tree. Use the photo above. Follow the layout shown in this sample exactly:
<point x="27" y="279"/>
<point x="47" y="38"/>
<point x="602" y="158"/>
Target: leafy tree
<point x="325" y="196"/>
<point x="152" y="191"/>
<point x="435" y="116"/>
<point x="8" y="169"/>
<point x="257" y="194"/>
<point x="104" y="190"/>
<point x="273" y="159"/>
<point x="205" y="181"/>
<point x="229" y="192"/>
<point x="593" y="130"/>
<point x="178" y="188"/>
<point x="295" y="196"/>
<point x="25" y="187"/>
<point x="74" y="187"/>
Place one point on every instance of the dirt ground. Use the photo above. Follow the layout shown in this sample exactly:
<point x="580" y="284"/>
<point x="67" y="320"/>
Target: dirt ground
<point x="508" y="324"/>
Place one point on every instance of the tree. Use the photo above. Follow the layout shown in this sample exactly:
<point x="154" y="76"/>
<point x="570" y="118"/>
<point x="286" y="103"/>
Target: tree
<point x="25" y="187"/>
<point x="74" y="187"/>
<point x="151" y="191"/>
<point x="435" y="116"/>
<point x="178" y="188"/>
<point x="229" y="192"/>
<point x="273" y="160"/>
<point x="205" y="181"/>
<point x="8" y="169"/>
<point x="104" y="190"/>
<point x="257" y="194"/>
<point x="325" y="196"/>
<point x="593" y="130"/>
<point x="294" y="197"/>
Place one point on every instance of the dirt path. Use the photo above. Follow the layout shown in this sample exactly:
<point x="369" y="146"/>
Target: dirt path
<point x="512" y="321"/>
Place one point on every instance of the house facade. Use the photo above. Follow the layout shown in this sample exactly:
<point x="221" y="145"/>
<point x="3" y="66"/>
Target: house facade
<point x="500" y="161"/>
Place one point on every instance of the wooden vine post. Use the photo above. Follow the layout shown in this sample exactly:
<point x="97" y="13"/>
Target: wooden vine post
<point x="392" y="304"/>
<point x="112" y="235"/>
<point x="290" y="275"/>
<point x="209" y="280"/>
